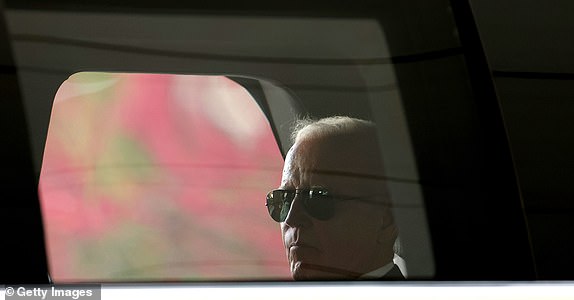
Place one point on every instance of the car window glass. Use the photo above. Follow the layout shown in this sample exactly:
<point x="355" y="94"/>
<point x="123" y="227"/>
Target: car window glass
<point x="159" y="177"/>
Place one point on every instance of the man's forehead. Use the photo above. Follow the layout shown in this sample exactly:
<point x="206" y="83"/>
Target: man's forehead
<point x="340" y="155"/>
<point x="335" y="160"/>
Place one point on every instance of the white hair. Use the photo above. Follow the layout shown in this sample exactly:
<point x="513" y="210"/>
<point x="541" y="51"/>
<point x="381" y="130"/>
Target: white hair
<point x="331" y="126"/>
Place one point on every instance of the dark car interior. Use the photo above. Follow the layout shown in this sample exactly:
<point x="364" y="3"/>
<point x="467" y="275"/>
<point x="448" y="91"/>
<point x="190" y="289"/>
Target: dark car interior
<point x="478" y="119"/>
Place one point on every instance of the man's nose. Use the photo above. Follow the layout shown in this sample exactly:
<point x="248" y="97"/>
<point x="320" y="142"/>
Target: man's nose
<point x="298" y="216"/>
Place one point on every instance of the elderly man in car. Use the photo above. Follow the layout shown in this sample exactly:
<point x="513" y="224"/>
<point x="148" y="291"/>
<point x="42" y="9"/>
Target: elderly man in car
<point x="333" y="204"/>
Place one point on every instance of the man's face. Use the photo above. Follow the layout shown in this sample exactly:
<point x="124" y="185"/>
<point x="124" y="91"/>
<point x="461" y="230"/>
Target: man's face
<point x="357" y="239"/>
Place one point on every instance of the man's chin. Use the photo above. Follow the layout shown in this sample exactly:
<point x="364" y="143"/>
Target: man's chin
<point x="306" y="271"/>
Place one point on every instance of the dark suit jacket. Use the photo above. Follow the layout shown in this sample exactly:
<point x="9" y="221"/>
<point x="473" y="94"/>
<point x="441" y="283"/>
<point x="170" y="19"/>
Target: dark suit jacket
<point x="394" y="274"/>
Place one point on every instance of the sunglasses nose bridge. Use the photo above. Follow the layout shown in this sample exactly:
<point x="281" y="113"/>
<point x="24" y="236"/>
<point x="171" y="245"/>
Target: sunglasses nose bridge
<point x="298" y="214"/>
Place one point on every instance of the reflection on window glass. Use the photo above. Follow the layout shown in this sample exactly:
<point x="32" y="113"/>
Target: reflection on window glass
<point x="159" y="177"/>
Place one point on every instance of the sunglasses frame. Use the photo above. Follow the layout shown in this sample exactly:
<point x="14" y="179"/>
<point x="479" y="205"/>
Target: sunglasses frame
<point x="321" y="209"/>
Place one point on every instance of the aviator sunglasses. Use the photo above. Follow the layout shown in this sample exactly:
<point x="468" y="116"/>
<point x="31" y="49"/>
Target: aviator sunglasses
<point x="318" y="202"/>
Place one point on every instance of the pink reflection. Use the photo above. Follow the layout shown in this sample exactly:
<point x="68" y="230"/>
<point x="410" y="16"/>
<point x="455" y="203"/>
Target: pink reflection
<point x="159" y="177"/>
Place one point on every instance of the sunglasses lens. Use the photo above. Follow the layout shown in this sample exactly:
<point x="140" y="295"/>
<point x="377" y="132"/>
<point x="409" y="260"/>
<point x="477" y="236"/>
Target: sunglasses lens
<point x="320" y="205"/>
<point x="279" y="203"/>
<point x="317" y="202"/>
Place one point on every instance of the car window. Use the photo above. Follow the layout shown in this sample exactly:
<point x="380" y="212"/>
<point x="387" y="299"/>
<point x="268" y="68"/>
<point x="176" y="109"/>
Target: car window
<point x="351" y="70"/>
<point x="159" y="177"/>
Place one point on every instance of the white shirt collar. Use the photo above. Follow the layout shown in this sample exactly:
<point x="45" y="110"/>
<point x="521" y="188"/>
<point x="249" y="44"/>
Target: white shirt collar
<point x="378" y="273"/>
